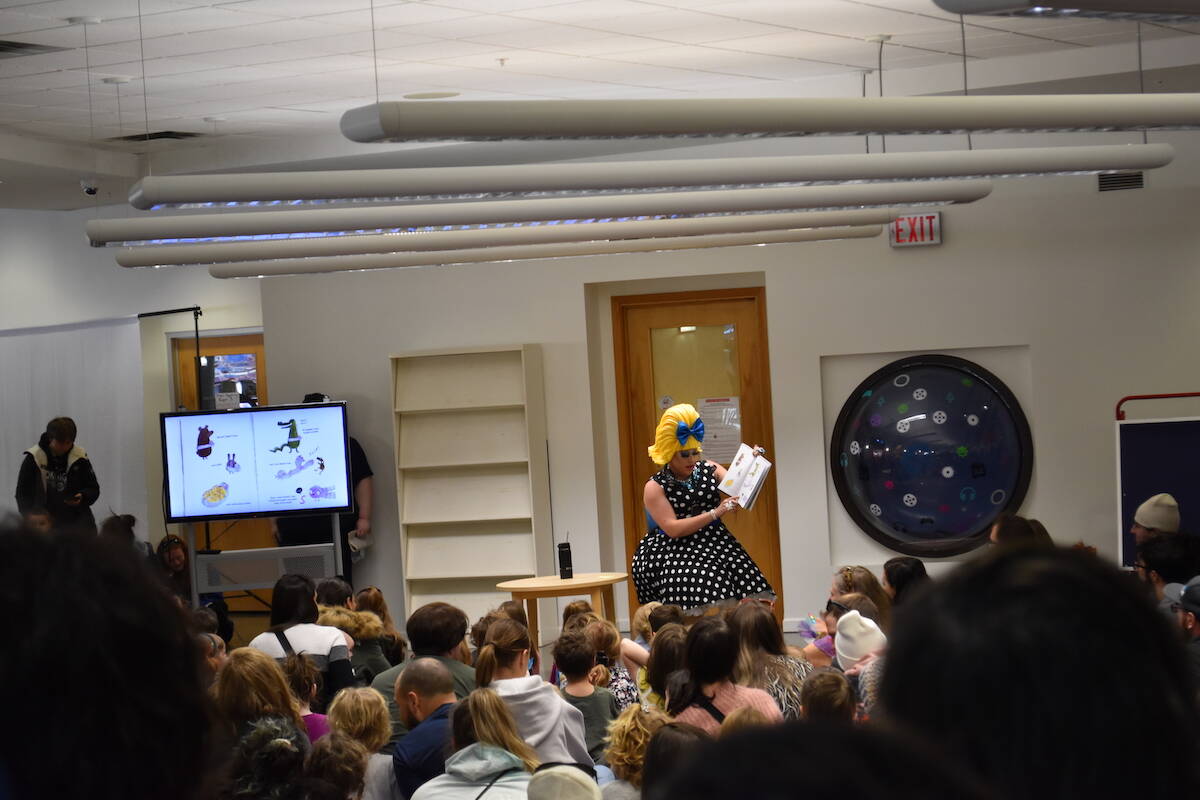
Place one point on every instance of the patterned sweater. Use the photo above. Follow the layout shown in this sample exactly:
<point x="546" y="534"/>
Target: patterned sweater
<point x="729" y="697"/>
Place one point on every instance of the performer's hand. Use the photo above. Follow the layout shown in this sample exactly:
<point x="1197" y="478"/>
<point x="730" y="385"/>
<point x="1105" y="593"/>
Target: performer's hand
<point x="727" y="507"/>
<point x="362" y="528"/>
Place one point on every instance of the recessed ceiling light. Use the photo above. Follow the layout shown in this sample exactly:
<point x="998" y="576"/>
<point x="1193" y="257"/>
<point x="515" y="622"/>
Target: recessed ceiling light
<point x="118" y="79"/>
<point x="83" y="20"/>
<point x="430" y="95"/>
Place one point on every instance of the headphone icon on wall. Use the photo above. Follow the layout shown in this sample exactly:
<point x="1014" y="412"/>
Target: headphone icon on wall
<point x="966" y="494"/>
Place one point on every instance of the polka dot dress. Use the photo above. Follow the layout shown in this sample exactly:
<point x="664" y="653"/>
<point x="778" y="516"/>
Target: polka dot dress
<point x="704" y="567"/>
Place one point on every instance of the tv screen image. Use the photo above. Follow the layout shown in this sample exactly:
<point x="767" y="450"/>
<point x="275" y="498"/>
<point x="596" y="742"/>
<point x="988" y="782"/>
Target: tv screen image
<point x="253" y="462"/>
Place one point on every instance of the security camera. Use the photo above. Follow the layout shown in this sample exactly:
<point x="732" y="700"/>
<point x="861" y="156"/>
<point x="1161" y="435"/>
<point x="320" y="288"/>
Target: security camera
<point x="88" y="187"/>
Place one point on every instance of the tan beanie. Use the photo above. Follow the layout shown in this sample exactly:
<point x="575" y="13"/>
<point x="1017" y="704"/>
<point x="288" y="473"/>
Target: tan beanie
<point x="1159" y="513"/>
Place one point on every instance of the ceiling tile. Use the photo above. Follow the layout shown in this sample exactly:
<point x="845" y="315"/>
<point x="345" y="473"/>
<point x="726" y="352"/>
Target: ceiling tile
<point x="440" y="49"/>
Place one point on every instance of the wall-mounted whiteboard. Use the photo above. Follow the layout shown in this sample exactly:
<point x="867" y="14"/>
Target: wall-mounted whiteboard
<point x="1156" y="455"/>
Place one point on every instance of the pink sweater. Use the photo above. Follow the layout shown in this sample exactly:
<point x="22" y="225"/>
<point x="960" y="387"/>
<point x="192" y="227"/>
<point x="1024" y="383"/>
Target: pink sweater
<point x="728" y="698"/>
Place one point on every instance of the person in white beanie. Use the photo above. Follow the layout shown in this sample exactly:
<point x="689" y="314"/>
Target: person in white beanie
<point x="857" y="637"/>
<point x="1158" y="514"/>
<point x="563" y="782"/>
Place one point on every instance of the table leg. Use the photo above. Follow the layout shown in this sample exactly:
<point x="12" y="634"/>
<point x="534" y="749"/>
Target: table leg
<point x="598" y="603"/>
<point x="531" y="611"/>
<point x="610" y="604"/>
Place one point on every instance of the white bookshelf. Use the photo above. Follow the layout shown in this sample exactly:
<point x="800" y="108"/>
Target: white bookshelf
<point x="472" y="479"/>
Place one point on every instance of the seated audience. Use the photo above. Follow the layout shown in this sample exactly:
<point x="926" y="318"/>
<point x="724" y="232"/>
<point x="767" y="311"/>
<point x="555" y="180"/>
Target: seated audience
<point x="741" y="719"/>
<point x="576" y="658"/>
<point x="304" y="679"/>
<point x="709" y="694"/>
<point x="335" y="769"/>
<point x="860" y="580"/>
<point x="665" y="615"/>
<point x="670" y="747"/>
<point x="576" y="607"/>
<point x="562" y="782"/>
<point x="826" y="695"/>
<point x="171" y="562"/>
<point x="38" y="520"/>
<point x="252" y="686"/>
<point x="1011" y="530"/>
<point x="605" y="641"/>
<point x="551" y="725"/>
<point x="639" y="625"/>
<point x="822" y="652"/>
<point x="1184" y="601"/>
<point x="763" y="662"/>
<point x="1059" y="716"/>
<point x="667" y="657"/>
<point x="100" y="676"/>
<point x="628" y="736"/>
<point x="1164" y="558"/>
<point x="489" y="756"/>
<point x="212" y="650"/>
<point x="1158" y="514"/>
<point x="337" y="608"/>
<point x="479" y="631"/>
<point x="294" y="630"/>
<point x="857" y="637"/>
<point x="902" y="576"/>
<point x="269" y="761"/>
<point x="362" y="714"/>
<point x="801" y="759"/>
<point x="435" y="630"/>
<point x="425" y="697"/>
<point x="515" y="610"/>
<point x="393" y="643"/>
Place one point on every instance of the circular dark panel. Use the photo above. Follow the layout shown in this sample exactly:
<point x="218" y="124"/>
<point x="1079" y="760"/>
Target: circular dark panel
<point x="928" y="451"/>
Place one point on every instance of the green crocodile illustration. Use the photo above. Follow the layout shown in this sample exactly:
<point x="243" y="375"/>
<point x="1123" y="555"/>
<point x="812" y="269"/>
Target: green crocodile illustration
<point x="293" y="440"/>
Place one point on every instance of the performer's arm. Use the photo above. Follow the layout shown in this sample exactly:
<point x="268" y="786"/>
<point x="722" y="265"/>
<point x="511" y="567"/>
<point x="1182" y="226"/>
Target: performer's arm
<point x="660" y="509"/>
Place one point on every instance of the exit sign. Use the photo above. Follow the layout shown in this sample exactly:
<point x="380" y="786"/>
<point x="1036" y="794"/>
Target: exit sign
<point x="918" y="230"/>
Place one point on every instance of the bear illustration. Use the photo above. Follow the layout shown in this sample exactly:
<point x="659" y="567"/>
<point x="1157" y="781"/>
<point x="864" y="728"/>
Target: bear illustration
<point x="204" y="446"/>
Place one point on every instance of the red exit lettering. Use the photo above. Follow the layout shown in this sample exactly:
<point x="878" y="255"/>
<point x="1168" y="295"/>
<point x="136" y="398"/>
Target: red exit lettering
<point x="922" y="229"/>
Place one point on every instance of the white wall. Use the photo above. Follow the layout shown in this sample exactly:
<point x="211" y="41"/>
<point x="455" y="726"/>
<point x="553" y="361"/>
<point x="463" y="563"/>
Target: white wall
<point x="1102" y="289"/>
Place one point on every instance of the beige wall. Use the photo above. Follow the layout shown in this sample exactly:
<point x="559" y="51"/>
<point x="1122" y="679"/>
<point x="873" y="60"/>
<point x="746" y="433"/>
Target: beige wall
<point x="1099" y="290"/>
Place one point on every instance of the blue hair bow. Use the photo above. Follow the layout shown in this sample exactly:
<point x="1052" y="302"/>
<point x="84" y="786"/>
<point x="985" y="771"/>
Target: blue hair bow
<point x="682" y="431"/>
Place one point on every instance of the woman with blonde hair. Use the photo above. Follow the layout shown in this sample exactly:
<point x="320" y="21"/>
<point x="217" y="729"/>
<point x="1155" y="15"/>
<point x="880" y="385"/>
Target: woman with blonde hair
<point x="490" y="759"/>
<point x="252" y="686"/>
<point x="609" y="671"/>
<point x="544" y="719"/>
<point x="628" y="736"/>
<point x="688" y="557"/>
<point x="362" y="714"/>
<point x="848" y="580"/>
<point x="763" y="661"/>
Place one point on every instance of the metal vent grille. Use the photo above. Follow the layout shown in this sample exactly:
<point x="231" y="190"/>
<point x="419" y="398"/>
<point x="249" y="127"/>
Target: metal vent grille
<point x="11" y="49"/>
<point x="1118" y="181"/>
<point x="142" y="137"/>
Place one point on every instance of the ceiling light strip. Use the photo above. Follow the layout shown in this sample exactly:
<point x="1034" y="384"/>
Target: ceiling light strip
<point x="490" y="237"/>
<point x="1121" y="10"/>
<point x="274" y="267"/>
<point x="479" y="120"/>
<point x="386" y="185"/>
<point x="329" y="220"/>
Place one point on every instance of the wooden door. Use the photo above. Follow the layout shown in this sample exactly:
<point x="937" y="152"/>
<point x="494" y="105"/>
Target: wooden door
<point x="239" y="365"/>
<point x="708" y="349"/>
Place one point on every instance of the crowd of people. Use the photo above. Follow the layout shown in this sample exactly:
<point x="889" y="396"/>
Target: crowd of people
<point x="1030" y="671"/>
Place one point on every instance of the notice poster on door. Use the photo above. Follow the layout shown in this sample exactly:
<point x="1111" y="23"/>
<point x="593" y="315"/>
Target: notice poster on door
<point x="722" y="427"/>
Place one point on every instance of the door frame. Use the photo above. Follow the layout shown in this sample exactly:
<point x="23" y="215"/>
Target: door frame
<point x="630" y="463"/>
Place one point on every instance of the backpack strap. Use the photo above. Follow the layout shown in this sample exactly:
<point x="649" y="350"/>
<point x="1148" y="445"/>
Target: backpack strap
<point x="712" y="710"/>
<point x="284" y="643"/>
<point x="495" y="778"/>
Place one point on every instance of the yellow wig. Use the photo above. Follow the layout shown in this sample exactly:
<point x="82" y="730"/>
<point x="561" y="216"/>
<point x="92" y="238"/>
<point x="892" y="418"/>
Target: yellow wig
<point x="679" y="429"/>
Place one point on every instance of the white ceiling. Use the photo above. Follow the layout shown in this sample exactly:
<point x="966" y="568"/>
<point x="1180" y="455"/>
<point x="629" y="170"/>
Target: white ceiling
<point x="250" y="74"/>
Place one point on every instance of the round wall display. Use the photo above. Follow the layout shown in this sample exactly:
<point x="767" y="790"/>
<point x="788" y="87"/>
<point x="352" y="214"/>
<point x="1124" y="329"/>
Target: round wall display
<point x="928" y="451"/>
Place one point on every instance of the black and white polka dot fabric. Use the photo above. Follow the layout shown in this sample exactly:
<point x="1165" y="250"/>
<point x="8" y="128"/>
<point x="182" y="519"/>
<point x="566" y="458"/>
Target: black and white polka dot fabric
<point x="705" y="567"/>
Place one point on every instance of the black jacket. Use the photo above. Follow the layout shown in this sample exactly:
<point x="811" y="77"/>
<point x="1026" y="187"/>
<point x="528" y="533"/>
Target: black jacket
<point x="48" y="481"/>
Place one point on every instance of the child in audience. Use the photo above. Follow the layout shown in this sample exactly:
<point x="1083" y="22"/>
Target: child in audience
<point x="304" y="679"/>
<point x="479" y="631"/>
<point x="551" y="725"/>
<point x="575" y="607"/>
<point x="489" y="760"/>
<point x="252" y="686"/>
<point x="628" y="736"/>
<point x="668" y="749"/>
<point x="861" y="580"/>
<point x="516" y="611"/>
<point x="902" y="576"/>
<point x="610" y="672"/>
<point x="709" y="694"/>
<point x="665" y="615"/>
<point x="742" y="719"/>
<point x="268" y="760"/>
<point x="666" y="658"/>
<point x="393" y="642"/>
<point x="335" y="769"/>
<point x="763" y="660"/>
<point x="575" y="657"/>
<point x="822" y="651"/>
<point x="639" y="626"/>
<point x="362" y="714"/>
<point x="826" y="695"/>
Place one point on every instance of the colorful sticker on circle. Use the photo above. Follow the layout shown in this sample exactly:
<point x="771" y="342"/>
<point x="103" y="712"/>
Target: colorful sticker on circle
<point x="972" y="420"/>
<point x="844" y="460"/>
<point x="876" y="420"/>
<point x="920" y="394"/>
<point x="855" y="448"/>
<point x="902" y="426"/>
<point x="910" y="500"/>
<point x="939" y="417"/>
<point x="998" y="497"/>
<point x="901" y="381"/>
<point x="902" y="408"/>
<point x="889" y="484"/>
<point x="968" y="382"/>
<point x="876" y="510"/>
<point x="947" y="472"/>
<point x="962" y="451"/>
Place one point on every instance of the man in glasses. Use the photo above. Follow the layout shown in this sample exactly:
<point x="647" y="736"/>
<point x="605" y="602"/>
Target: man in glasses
<point x="1164" y="558"/>
<point x="1184" y="600"/>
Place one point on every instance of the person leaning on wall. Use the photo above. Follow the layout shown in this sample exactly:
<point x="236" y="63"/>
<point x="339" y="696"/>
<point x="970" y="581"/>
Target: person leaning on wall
<point x="57" y="476"/>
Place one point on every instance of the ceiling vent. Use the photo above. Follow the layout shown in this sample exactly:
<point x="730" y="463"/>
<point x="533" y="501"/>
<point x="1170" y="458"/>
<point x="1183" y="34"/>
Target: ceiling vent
<point x="11" y="49"/>
<point x="143" y="137"/>
<point x="1118" y="181"/>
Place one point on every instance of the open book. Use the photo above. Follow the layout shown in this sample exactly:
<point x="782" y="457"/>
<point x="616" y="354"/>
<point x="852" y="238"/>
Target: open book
<point x="745" y="476"/>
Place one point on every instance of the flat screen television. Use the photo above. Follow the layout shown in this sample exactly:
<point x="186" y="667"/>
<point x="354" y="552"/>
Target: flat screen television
<point x="271" y="461"/>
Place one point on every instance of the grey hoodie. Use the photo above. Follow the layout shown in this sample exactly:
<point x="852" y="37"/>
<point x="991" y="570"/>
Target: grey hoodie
<point x="551" y="725"/>
<point x="471" y="769"/>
